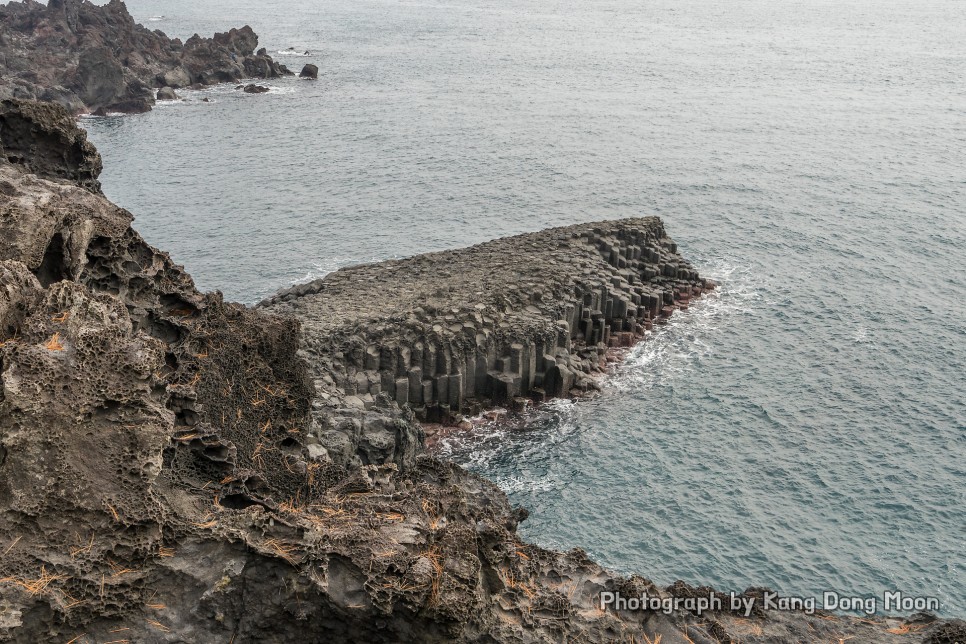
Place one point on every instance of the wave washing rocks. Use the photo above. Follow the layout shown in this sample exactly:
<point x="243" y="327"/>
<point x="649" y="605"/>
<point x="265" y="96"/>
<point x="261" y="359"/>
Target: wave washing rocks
<point x="161" y="473"/>
<point x="96" y="59"/>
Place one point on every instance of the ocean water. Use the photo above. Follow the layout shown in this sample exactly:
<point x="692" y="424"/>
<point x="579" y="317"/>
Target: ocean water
<point x="804" y="428"/>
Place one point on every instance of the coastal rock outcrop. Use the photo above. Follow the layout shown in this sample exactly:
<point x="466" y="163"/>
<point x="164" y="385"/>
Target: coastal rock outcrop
<point x="522" y="318"/>
<point x="44" y="140"/>
<point x="91" y="58"/>
<point x="159" y="481"/>
<point x="309" y="71"/>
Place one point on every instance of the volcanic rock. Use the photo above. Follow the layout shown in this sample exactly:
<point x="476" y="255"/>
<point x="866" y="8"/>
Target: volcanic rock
<point x="96" y="59"/>
<point x="167" y="94"/>
<point x="160" y="475"/>
<point x="309" y="71"/>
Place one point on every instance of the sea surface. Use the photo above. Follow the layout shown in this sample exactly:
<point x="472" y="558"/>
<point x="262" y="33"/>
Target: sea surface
<point x="804" y="428"/>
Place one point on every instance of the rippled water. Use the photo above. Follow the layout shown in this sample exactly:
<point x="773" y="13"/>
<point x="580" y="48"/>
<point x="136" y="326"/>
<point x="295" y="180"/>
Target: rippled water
<point x="804" y="427"/>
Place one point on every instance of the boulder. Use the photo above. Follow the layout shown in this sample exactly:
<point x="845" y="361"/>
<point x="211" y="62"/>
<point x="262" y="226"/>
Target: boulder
<point x="167" y="94"/>
<point x="255" y="89"/>
<point x="99" y="79"/>
<point x="176" y="78"/>
<point x="310" y="71"/>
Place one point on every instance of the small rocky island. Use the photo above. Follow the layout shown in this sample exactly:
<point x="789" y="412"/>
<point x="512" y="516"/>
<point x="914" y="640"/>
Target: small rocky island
<point x="97" y="59"/>
<point x="176" y="468"/>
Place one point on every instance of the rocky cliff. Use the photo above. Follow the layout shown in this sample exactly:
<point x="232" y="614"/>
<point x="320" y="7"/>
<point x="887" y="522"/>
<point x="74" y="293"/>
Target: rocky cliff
<point x="92" y="58"/>
<point x="161" y="473"/>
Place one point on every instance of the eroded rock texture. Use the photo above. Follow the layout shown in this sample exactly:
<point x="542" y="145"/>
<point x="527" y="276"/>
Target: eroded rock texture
<point x="91" y="58"/>
<point x="158" y="481"/>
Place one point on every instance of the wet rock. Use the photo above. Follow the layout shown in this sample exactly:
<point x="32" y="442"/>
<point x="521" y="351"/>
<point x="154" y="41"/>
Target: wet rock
<point x="255" y="89"/>
<point x="99" y="77"/>
<point x="176" y="78"/>
<point x="309" y="71"/>
<point x="238" y="41"/>
<point x="167" y="94"/>
<point x="504" y="323"/>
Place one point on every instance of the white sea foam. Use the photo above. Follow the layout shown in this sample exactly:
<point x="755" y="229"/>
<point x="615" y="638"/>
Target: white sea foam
<point x="672" y="349"/>
<point x="323" y="268"/>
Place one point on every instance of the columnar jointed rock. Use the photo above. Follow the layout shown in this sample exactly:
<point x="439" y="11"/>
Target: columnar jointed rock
<point x="92" y="58"/>
<point x="527" y="316"/>
<point x="156" y="484"/>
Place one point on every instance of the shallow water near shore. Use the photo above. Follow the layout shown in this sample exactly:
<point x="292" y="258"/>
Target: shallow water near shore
<point x="804" y="427"/>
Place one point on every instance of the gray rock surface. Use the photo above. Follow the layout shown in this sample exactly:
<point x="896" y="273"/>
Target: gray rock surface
<point x="95" y="58"/>
<point x="167" y="94"/>
<point x="160" y="480"/>
<point x="310" y="71"/>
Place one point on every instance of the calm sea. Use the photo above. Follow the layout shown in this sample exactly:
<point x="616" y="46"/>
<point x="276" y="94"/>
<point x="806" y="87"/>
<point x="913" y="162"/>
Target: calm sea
<point x="805" y="427"/>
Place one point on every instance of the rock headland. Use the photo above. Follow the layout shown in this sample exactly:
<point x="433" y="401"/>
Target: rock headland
<point x="162" y="478"/>
<point x="445" y="334"/>
<point x="96" y="59"/>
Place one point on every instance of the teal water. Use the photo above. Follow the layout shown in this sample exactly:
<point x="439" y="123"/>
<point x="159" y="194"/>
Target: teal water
<point x="805" y="427"/>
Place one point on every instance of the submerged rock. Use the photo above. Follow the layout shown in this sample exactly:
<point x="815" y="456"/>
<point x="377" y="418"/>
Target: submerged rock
<point x="255" y="89"/>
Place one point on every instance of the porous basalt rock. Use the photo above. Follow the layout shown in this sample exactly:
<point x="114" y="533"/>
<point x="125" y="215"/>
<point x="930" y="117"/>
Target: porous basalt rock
<point x="159" y="483"/>
<point x="45" y="141"/>
<point x="91" y="58"/>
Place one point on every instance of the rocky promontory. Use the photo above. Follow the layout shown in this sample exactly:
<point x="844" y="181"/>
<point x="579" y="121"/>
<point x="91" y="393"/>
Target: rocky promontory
<point x="168" y="471"/>
<point x="499" y="324"/>
<point x="97" y="59"/>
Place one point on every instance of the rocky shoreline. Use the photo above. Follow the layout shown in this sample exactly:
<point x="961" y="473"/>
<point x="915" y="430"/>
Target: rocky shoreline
<point x="97" y="59"/>
<point x="177" y="468"/>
